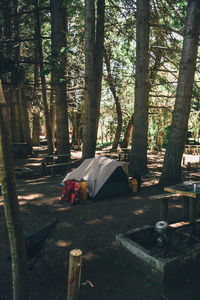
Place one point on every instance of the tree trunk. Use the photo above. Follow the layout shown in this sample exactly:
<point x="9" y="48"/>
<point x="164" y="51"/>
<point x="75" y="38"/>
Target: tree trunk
<point x="117" y="102"/>
<point x="24" y="116"/>
<point x="36" y="128"/>
<point x="11" y="207"/>
<point x="138" y="159"/>
<point x="128" y="133"/>
<point x="77" y="128"/>
<point x="59" y="42"/>
<point x="36" y="110"/>
<point x="52" y="116"/>
<point x="171" y="172"/>
<point x="93" y="73"/>
<point x="42" y="76"/>
<point x="16" y="118"/>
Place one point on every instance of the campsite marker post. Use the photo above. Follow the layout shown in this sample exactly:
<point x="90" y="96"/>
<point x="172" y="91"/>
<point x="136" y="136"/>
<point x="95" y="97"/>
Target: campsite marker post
<point x="74" y="276"/>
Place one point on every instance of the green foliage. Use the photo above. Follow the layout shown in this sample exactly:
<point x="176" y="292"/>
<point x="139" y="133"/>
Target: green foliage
<point x="166" y="137"/>
<point x="166" y="36"/>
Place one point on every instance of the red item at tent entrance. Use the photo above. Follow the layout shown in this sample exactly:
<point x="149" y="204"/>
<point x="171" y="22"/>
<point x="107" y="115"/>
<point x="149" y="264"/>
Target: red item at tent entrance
<point x="71" y="191"/>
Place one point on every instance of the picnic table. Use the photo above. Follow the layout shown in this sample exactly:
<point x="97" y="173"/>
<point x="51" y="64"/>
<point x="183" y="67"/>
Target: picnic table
<point x="21" y="150"/>
<point x="51" y="157"/>
<point x="54" y="160"/>
<point x="192" y="149"/>
<point x="190" y="198"/>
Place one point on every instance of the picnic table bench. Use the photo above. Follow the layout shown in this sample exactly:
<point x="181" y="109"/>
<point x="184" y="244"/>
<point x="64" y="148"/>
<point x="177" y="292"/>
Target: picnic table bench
<point x="53" y="158"/>
<point x="164" y="199"/>
<point x="65" y="166"/>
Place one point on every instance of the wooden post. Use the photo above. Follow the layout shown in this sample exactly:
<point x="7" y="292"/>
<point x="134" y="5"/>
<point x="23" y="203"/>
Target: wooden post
<point x="74" y="276"/>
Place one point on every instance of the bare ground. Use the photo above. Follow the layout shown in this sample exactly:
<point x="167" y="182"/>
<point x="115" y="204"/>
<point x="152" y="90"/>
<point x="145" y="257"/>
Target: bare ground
<point x="92" y="227"/>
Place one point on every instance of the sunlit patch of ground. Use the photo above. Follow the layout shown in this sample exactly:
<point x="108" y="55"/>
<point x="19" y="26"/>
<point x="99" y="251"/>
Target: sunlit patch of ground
<point x="99" y="221"/>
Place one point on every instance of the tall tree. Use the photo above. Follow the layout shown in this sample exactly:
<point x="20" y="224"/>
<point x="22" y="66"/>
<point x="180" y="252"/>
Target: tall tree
<point x="94" y="40"/>
<point x="59" y="73"/>
<point x="42" y="76"/>
<point x="138" y="160"/>
<point x="171" y="172"/>
<point x="11" y="207"/>
<point x="111" y="83"/>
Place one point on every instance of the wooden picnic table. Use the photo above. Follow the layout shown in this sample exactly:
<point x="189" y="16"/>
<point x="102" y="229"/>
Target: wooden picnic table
<point x="190" y="198"/>
<point x="55" y="155"/>
<point x="50" y="158"/>
<point x="192" y="149"/>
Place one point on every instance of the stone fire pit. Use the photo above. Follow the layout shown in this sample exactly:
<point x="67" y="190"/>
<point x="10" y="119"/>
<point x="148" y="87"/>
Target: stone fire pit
<point x="161" y="265"/>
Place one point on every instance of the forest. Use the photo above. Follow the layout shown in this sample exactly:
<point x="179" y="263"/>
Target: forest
<point x="92" y="74"/>
<point x="68" y="65"/>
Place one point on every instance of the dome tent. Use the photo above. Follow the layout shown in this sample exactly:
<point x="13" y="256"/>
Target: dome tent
<point x="104" y="176"/>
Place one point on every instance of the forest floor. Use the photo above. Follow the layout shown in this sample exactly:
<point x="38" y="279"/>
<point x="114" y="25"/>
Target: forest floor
<point x="92" y="227"/>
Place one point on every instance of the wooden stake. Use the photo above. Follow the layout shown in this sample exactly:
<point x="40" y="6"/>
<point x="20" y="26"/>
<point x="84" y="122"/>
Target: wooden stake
<point x="74" y="276"/>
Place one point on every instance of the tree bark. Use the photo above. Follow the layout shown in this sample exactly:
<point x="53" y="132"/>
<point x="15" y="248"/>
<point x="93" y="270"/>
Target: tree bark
<point x="59" y="59"/>
<point x="36" y="128"/>
<point x="42" y="76"/>
<point x="11" y="207"/>
<point x="171" y="172"/>
<point x="36" y="110"/>
<point x="117" y="102"/>
<point x="128" y="133"/>
<point x="24" y="116"/>
<point x="138" y="159"/>
<point x="93" y="73"/>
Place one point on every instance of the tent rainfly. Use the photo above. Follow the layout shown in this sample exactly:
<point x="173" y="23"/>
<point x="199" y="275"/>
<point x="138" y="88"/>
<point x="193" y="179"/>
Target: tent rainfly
<point x="104" y="177"/>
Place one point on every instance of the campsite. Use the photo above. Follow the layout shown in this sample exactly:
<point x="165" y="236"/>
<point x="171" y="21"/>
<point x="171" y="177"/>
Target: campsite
<point x="91" y="227"/>
<point x="99" y="149"/>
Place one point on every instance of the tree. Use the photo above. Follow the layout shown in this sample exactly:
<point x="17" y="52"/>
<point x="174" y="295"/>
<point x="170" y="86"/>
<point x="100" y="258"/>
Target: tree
<point x="59" y="72"/>
<point x="42" y="76"/>
<point x="110" y="81"/>
<point x="128" y="133"/>
<point x="94" y="40"/>
<point x="138" y="160"/>
<point x="11" y="207"/>
<point x="171" y="172"/>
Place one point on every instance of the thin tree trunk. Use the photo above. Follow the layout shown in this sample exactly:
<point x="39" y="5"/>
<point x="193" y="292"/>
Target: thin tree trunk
<point x="24" y="116"/>
<point x="12" y="211"/>
<point x="16" y="118"/>
<point x="43" y="81"/>
<point x="117" y="102"/>
<point x="36" y="111"/>
<point x="93" y="73"/>
<point x="128" y="133"/>
<point x="36" y="128"/>
<point x="52" y="116"/>
<point x="138" y="159"/>
<point x="171" y="172"/>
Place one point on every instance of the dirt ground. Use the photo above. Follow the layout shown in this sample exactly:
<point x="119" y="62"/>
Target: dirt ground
<point x="92" y="227"/>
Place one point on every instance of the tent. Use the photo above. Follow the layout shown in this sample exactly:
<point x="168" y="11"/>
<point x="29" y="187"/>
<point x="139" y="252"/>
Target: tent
<point x="104" y="176"/>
